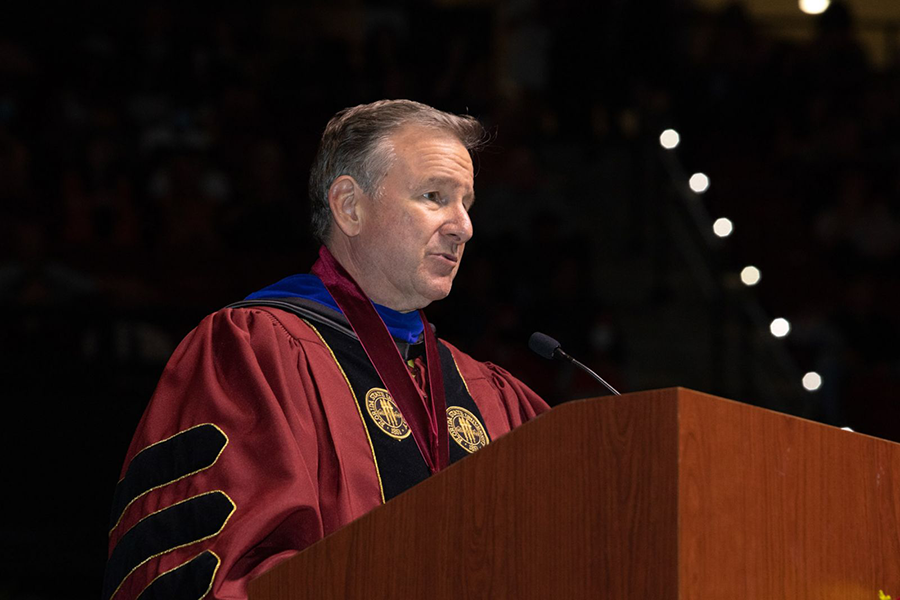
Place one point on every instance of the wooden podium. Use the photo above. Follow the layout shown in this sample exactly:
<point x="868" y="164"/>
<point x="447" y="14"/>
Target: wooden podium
<point x="669" y="494"/>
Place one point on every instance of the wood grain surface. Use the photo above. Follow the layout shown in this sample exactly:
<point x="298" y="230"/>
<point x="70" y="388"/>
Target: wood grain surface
<point x="661" y="495"/>
<point x="772" y="506"/>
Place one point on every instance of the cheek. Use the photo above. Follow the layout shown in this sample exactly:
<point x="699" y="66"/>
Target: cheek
<point x="410" y="222"/>
<point x="419" y="231"/>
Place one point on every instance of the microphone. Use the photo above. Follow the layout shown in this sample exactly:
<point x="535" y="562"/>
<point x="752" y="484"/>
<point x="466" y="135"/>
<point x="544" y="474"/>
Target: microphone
<point x="544" y="345"/>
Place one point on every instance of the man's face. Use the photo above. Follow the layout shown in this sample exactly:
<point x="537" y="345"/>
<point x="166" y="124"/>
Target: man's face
<point x="415" y="227"/>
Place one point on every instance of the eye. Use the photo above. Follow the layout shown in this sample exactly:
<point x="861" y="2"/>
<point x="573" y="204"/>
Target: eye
<point x="433" y="196"/>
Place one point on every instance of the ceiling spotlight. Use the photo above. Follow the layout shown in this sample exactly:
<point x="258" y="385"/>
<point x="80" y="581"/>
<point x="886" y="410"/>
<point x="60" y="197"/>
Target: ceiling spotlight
<point x="723" y="227"/>
<point x="812" y="381"/>
<point x="814" y="7"/>
<point x="669" y="139"/>
<point x="780" y="327"/>
<point x="750" y="275"/>
<point x="699" y="182"/>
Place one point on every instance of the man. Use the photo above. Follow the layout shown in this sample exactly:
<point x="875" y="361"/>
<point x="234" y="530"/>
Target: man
<point x="282" y="418"/>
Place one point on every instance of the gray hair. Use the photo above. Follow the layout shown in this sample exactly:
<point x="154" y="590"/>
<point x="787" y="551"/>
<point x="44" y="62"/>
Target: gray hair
<point x="354" y="144"/>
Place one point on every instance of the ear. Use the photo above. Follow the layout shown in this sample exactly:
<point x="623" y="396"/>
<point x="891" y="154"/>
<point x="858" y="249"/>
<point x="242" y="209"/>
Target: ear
<point x="346" y="200"/>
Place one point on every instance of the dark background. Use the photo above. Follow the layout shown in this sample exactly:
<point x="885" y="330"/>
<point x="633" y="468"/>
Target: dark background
<point x="153" y="164"/>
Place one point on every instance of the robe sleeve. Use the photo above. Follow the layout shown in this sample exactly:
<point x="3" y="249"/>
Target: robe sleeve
<point x="221" y="478"/>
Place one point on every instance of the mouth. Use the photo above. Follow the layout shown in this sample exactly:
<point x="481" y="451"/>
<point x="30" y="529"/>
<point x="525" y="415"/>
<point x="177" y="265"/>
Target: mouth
<point x="451" y="259"/>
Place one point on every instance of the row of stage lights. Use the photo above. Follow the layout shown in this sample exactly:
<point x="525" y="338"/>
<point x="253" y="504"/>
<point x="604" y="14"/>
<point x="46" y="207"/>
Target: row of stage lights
<point x="750" y="275"/>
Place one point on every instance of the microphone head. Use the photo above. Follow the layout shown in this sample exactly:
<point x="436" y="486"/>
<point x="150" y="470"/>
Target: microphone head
<point x="543" y="345"/>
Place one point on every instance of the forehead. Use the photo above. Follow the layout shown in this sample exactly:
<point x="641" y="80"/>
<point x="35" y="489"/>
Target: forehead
<point x="425" y="153"/>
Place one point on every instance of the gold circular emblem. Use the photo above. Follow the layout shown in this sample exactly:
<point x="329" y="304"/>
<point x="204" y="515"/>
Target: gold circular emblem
<point x="385" y="414"/>
<point x="465" y="429"/>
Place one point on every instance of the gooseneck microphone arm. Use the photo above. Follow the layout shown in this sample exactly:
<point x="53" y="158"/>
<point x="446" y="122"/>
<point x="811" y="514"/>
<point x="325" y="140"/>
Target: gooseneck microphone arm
<point x="546" y="346"/>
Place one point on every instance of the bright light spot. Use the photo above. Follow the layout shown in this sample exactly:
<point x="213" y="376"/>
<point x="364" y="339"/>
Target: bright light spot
<point x="669" y="139"/>
<point x="814" y="7"/>
<point x="812" y="381"/>
<point x="750" y="275"/>
<point x="846" y="429"/>
<point x="699" y="182"/>
<point x="780" y="327"/>
<point x="723" y="227"/>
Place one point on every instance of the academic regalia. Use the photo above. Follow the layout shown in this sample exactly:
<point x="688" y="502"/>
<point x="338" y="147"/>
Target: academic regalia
<point x="264" y="435"/>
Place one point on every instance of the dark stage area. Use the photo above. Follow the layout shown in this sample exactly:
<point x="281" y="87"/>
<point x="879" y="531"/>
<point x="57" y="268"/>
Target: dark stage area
<point x="153" y="168"/>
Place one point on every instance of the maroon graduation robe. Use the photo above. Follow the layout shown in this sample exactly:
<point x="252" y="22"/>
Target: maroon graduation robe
<point x="284" y="458"/>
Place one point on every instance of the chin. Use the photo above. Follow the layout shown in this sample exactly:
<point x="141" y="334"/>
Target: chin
<point x="438" y="292"/>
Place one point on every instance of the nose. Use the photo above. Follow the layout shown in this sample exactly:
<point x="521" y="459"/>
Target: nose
<point x="459" y="224"/>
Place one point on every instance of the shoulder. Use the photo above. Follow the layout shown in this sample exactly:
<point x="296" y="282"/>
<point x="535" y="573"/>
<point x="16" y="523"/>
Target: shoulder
<point x="465" y="362"/>
<point x="236" y="356"/>
<point x="254" y="325"/>
<point x="503" y="399"/>
<point x="472" y="368"/>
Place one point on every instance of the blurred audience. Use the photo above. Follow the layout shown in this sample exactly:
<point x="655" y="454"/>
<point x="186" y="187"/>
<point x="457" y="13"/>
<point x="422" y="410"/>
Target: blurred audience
<point x="153" y="164"/>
